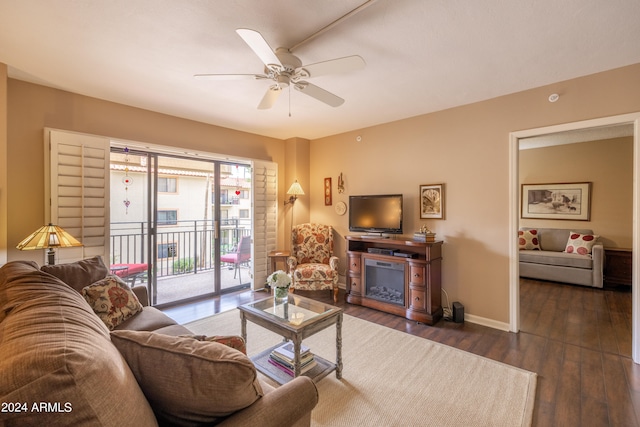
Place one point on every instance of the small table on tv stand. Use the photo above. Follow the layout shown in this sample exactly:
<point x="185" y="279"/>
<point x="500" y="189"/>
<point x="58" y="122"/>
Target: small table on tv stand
<point x="275" y="318"/>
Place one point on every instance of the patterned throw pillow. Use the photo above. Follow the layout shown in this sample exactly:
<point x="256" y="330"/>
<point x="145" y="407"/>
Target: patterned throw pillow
<point x="112" y="300"/>
<point x="233" y="341"/>
<point x="580" y="243"/>
<point x="528" y="239"/>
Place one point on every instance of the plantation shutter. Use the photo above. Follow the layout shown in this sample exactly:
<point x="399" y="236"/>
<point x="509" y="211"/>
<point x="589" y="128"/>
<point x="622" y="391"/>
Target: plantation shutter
<point x="265" y="214"/>
<point x="79" y="192"/>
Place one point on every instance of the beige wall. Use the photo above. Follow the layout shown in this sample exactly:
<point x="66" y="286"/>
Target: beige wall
<point x="608" y="165"/>
<point x="31" y="108"/>
<point x="467" y="149"/>
<point x="297" y="168"/>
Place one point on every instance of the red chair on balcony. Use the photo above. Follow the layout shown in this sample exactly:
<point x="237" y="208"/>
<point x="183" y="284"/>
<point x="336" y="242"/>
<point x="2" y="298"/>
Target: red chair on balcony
<point x="240" y="256"/>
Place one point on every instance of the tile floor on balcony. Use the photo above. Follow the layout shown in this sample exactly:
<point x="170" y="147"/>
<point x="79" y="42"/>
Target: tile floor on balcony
<point x="190" y="285"/>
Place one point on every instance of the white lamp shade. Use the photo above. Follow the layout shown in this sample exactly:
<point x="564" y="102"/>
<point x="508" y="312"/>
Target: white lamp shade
<point x="295" y="189"/>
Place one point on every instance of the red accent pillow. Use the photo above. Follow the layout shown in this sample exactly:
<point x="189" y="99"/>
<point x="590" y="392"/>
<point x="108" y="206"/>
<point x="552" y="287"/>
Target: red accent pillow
<point x="580" y="243"/>
<point x="528" y="239"/>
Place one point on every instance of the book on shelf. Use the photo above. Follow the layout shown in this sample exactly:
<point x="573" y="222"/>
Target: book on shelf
<point x="289" y="371"/>
<point x="286" y="351"/>
<point x="306" y="359"/>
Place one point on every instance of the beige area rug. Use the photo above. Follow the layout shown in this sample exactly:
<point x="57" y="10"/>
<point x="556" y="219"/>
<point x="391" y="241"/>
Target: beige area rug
<point x="391" y="378"/>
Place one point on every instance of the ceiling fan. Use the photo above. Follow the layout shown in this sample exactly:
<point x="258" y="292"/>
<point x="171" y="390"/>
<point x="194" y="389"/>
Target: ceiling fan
<point x="285" y="70"/>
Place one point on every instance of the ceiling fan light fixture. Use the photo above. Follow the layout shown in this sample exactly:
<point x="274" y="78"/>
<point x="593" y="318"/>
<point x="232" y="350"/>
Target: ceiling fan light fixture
<point x="283" y="80"/>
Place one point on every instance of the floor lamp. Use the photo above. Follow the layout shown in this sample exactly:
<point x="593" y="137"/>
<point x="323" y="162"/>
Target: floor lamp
<point x="48" y="237"/>
<point x="294" y="191"/>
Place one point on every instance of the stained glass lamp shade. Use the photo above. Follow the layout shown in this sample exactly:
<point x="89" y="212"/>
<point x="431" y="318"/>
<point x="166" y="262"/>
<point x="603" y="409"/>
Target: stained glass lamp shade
<point x="48" y="237"/>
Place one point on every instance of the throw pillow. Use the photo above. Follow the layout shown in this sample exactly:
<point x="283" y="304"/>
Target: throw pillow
<point x="528" y="239"/>
<point x="188" y="382"/>
<point x="112" y="300"/>
<point x="79" y="274"/>
<point x="580" y="243"/>
<point x="233" y="341"/>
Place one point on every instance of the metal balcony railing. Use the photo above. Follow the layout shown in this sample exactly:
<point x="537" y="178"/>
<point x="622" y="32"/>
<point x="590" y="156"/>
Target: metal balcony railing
<point x="182" y="247"/>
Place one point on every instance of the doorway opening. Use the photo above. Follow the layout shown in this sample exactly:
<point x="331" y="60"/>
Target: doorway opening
<point x="514" y="216"/>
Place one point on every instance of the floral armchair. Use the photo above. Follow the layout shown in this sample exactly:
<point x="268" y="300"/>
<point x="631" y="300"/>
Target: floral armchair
<point x="312" y="265"/>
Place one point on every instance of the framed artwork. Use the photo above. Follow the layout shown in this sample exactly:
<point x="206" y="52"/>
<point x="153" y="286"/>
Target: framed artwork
<point x="327" y="191"/>
<point x="556" y="201"/>
<point x="432" y="201"/>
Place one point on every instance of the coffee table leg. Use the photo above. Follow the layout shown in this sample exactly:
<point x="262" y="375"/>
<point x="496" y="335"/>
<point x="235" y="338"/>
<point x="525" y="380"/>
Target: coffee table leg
<point x="339" y="347"/>
<point x="297" y="344"/>
<point x="243" y="326"/>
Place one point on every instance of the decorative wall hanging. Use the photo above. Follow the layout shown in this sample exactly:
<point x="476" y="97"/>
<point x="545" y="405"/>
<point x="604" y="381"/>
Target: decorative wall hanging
<point x="432" y="201"/>
<point x="327" y="191"/>
<point x="556" y="201"/>
<point x="340" y="184"/>
<point x="126" y="180"/>
<point x="238" y="191"/>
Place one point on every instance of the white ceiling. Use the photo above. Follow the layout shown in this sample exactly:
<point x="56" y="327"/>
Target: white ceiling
<point x="422" y="55"/>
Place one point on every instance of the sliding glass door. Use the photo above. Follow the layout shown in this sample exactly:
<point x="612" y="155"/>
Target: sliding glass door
<point x="181" y="226"/>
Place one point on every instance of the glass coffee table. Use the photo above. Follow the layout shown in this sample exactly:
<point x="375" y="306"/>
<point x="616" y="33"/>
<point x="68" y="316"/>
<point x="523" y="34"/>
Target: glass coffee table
<point x="294" y="320"/>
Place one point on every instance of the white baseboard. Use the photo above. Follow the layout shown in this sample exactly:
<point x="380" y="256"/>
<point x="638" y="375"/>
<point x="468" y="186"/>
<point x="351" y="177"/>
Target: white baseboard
<point x="483" y="321"/>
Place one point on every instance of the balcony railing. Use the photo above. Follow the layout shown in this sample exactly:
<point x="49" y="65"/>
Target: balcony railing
<point x="182" y="247"/>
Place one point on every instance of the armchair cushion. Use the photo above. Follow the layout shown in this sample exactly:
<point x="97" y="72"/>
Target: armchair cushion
<point x="312" y="243"/>
<point x="315" y="276"/>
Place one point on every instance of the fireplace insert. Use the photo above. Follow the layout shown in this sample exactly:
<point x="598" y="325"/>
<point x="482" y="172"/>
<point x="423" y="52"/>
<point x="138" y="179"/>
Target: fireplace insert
<point x="384" y="280"/>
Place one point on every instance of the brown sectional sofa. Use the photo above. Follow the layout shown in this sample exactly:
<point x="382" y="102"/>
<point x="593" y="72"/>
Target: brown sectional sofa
<point x="60" y="366"/>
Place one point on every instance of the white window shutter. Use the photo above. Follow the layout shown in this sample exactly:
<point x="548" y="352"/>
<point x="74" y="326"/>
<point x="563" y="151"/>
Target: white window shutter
<point x="265" y="218"/>
<point x="79" y="191"/>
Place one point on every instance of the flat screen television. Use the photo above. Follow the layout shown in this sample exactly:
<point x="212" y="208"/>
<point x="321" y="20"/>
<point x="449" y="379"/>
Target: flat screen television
<point x="380" y="214"/>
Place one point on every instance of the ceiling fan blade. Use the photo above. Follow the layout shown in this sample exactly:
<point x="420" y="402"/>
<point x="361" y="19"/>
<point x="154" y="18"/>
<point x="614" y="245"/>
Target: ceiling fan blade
<point x="319" y="94"/>
<point x="230" y="76"/>
<point x="259" y="45"/>
<point x="270" y="97"/>
<point x="339" y="65"/>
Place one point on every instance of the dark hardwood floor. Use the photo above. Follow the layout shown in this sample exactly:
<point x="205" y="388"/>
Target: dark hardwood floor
<point x="577" y="339"/>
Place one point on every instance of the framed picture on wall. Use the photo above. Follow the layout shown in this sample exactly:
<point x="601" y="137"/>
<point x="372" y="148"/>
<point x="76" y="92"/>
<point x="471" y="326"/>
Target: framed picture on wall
<point x="432" y="201"/>
<point x="556" y="201"/>
<point x="327" y="191"/>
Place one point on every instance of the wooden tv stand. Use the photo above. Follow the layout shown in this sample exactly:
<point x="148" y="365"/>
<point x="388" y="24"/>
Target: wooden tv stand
<point x="422" y="299"/>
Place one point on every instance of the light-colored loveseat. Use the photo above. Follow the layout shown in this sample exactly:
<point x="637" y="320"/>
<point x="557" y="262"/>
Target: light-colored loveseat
<point x="552" y="263"/>
<point x="61" y="366"/>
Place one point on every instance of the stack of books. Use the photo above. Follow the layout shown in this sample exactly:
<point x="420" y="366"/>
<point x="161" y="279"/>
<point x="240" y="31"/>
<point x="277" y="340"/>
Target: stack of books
<point x="424" y="237"/>
<point x="282" y="358"/>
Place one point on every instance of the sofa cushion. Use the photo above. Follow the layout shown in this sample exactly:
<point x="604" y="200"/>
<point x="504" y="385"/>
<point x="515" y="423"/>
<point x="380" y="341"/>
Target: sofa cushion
<point x="557" y="259"/>
<point x="233" y="341"/>
<point x="554" y="239"/>
<point x="112" y="300"/>
<point x="189" y="382"/>
<point x="528" y="240"/>
<point x="149" y="319"/>
<point x="79" y="274"/>
<point x="580" y="243"/>
<point x="53" y="348"/>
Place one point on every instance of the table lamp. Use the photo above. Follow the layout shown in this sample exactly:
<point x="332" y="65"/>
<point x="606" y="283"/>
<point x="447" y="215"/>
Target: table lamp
<point x="48" y="237"/>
